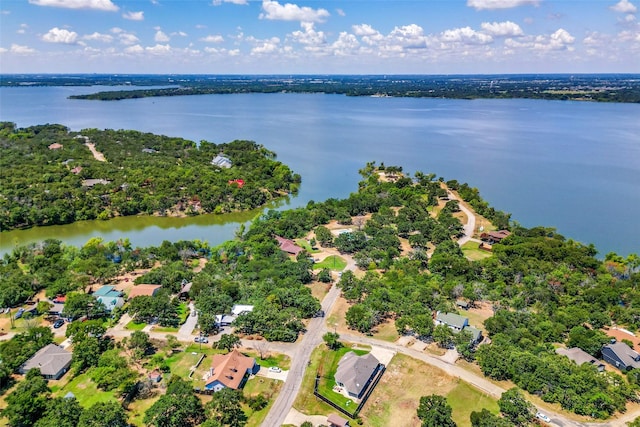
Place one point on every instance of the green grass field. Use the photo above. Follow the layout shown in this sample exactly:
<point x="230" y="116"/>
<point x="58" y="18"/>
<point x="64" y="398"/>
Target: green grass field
<point x="471" y="251"/>
<point x="332" y="262"/>
<point x="85" y="391"/>
<point x="465" y="399"/>
<point x="133" y="326"/>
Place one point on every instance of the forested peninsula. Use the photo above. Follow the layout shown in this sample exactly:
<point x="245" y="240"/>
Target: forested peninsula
<point x="580" y="87"/>
<point x="51" y="175"/>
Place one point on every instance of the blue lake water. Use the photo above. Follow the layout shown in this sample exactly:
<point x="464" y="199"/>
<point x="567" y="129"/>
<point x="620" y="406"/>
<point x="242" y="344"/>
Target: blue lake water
<point x="570" y="165"/>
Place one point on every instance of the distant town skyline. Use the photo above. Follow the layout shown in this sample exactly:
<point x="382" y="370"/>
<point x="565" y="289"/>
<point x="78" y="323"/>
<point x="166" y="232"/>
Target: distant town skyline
<point x="319" y="37"/>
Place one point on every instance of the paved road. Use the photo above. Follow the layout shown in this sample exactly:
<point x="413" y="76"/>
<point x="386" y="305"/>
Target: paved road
<point x="470" y="226"/>
<point x="299" y="359"/>
<point x="184" y="333"/>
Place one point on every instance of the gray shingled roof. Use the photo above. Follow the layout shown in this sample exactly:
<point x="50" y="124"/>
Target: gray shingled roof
<point x="578" y="355"/>
<point x="50" y="359"/>
<point x="628" y="356"/>
<point x="452" y="319"/>
<point x="354" y="371"/>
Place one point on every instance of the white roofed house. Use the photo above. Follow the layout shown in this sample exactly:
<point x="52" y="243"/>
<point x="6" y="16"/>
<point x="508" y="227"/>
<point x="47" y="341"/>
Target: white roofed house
<point x="221" y="161"/>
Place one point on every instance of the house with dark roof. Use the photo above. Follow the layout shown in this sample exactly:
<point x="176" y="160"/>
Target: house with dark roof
<point x="53" y="362"/>
<point x="288" y="246"/>
<point x="355" y="373"/>
<point x="495" y="236"/>
<point x="230" y="370"/>
<point x="580" y="357"/>
<point x="621" y="356"/>
<point x="335" y="420"/>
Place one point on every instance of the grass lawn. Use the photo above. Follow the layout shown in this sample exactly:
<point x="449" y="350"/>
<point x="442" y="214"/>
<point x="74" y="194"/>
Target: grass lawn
<point x="395" y="400"/>
<point x="304" y="243"/>
<point x="265" y="386"/>
<point x="280" y="360"/>
<point x="85" y="391"/>
<point x="137" y="408"/>
<point x="133" y="326"/>
<point x="465" y="399"/>
<point x="386" y="331"/>
<point x="471" y="251"/>
<point x="332" y="262"/>
<point x="326" y="363"/>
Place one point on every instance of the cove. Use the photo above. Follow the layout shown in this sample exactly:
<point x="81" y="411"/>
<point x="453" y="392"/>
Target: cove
<point x="574" y="166"/>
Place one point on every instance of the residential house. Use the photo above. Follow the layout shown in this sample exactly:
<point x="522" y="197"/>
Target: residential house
<point x="155" y="376"/>
<point x="109" y="296"/>
<point x="580" y="357"/>
<point x="335" y="420"/>
<point x="495" y="236"/>
<point x="452" y="320"/>
<point x="53" y="362"/>
<point x="240" y="309"/>
<point x="288" y="246"/>
<point x="185" y="288"/>
<point x="144" y="290"/>
<point x="55" y="146"/>
<point x="462" y="304"/>
<point x="224" y="319"/>
<point x="355" y="373"/>
<point x="221" y="161"/>
<point x="459" y="323"/>
<point x="621" y="356"/>
<point x="230" y="370"/>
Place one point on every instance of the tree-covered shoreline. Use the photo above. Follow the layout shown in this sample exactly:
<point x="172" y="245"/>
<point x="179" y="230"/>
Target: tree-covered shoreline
<point x="576" y="87"/>
<point x="50" y="175"/>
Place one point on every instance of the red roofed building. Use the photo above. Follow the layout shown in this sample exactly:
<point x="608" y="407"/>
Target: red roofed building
<point x="289" y="246"/>
<point x="230" y="370"/>
<point x="238" y="182"/>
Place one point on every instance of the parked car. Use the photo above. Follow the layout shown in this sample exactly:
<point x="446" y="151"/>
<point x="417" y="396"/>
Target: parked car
<point x="543" y="417"/>
<point x="19" y="313"/>
<point x="58" y="323"/>
<point x="319" y="313"/>
<point x="275" y="369"/>
<point x="203" y="340"/>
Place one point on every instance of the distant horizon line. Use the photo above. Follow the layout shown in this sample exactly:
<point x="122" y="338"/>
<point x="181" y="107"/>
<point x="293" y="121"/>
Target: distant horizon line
<point x="322" y="74"/>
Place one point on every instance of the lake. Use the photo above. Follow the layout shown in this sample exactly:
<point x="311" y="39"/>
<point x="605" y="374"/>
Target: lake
<point x="574" y="166"/>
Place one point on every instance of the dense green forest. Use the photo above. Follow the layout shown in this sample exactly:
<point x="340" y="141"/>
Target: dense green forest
<point x="546" y="290"/>
<point x="579" y="87"/>
<point x="49" y="175"/>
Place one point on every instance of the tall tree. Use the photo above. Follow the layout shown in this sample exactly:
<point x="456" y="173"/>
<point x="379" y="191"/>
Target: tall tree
<point x="225" y="407"/>
<point x="28" y="402"/>
<point x="516" y="408"/>
<point x="228" y="342"/>
<point x="434" y="411"/>
<point x="179" y="407"/>
<point x="61" y="412"/>
<point x="104" y="414"/>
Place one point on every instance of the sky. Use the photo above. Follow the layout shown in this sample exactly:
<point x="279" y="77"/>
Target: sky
<point x="320" y="36"/>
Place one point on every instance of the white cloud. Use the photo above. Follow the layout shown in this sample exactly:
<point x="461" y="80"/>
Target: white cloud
<point x="22" y="29"/>
<point x="105" y="38"/>
<point x="465" y="35"/>
<point x="212" y="39"/>
<point x="219" y="2"/>
<point x="624" y="6"/>
<point x="291" y="12"/>
<point x="134" y="16"/>
<point x="18" y="49"/>
<point x="499" y="4"/>
<point x="347" y="44"/>
<point x="159" y="49"/>
<point x="134" y="49"/>
<point x="502" y="29"/>
<point x="309" y="36"/>
<point x="125" y="38"/>
<point x="179" y="33"/>
<point x="161" y="37"/>
<point x="58" y="35"/>
<point x="263" y="46"/>
<point x="364" y="30"/>
<point x="340" y="12"/>
<point x="105" y="5"/>
<point x="408" y="36"/>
